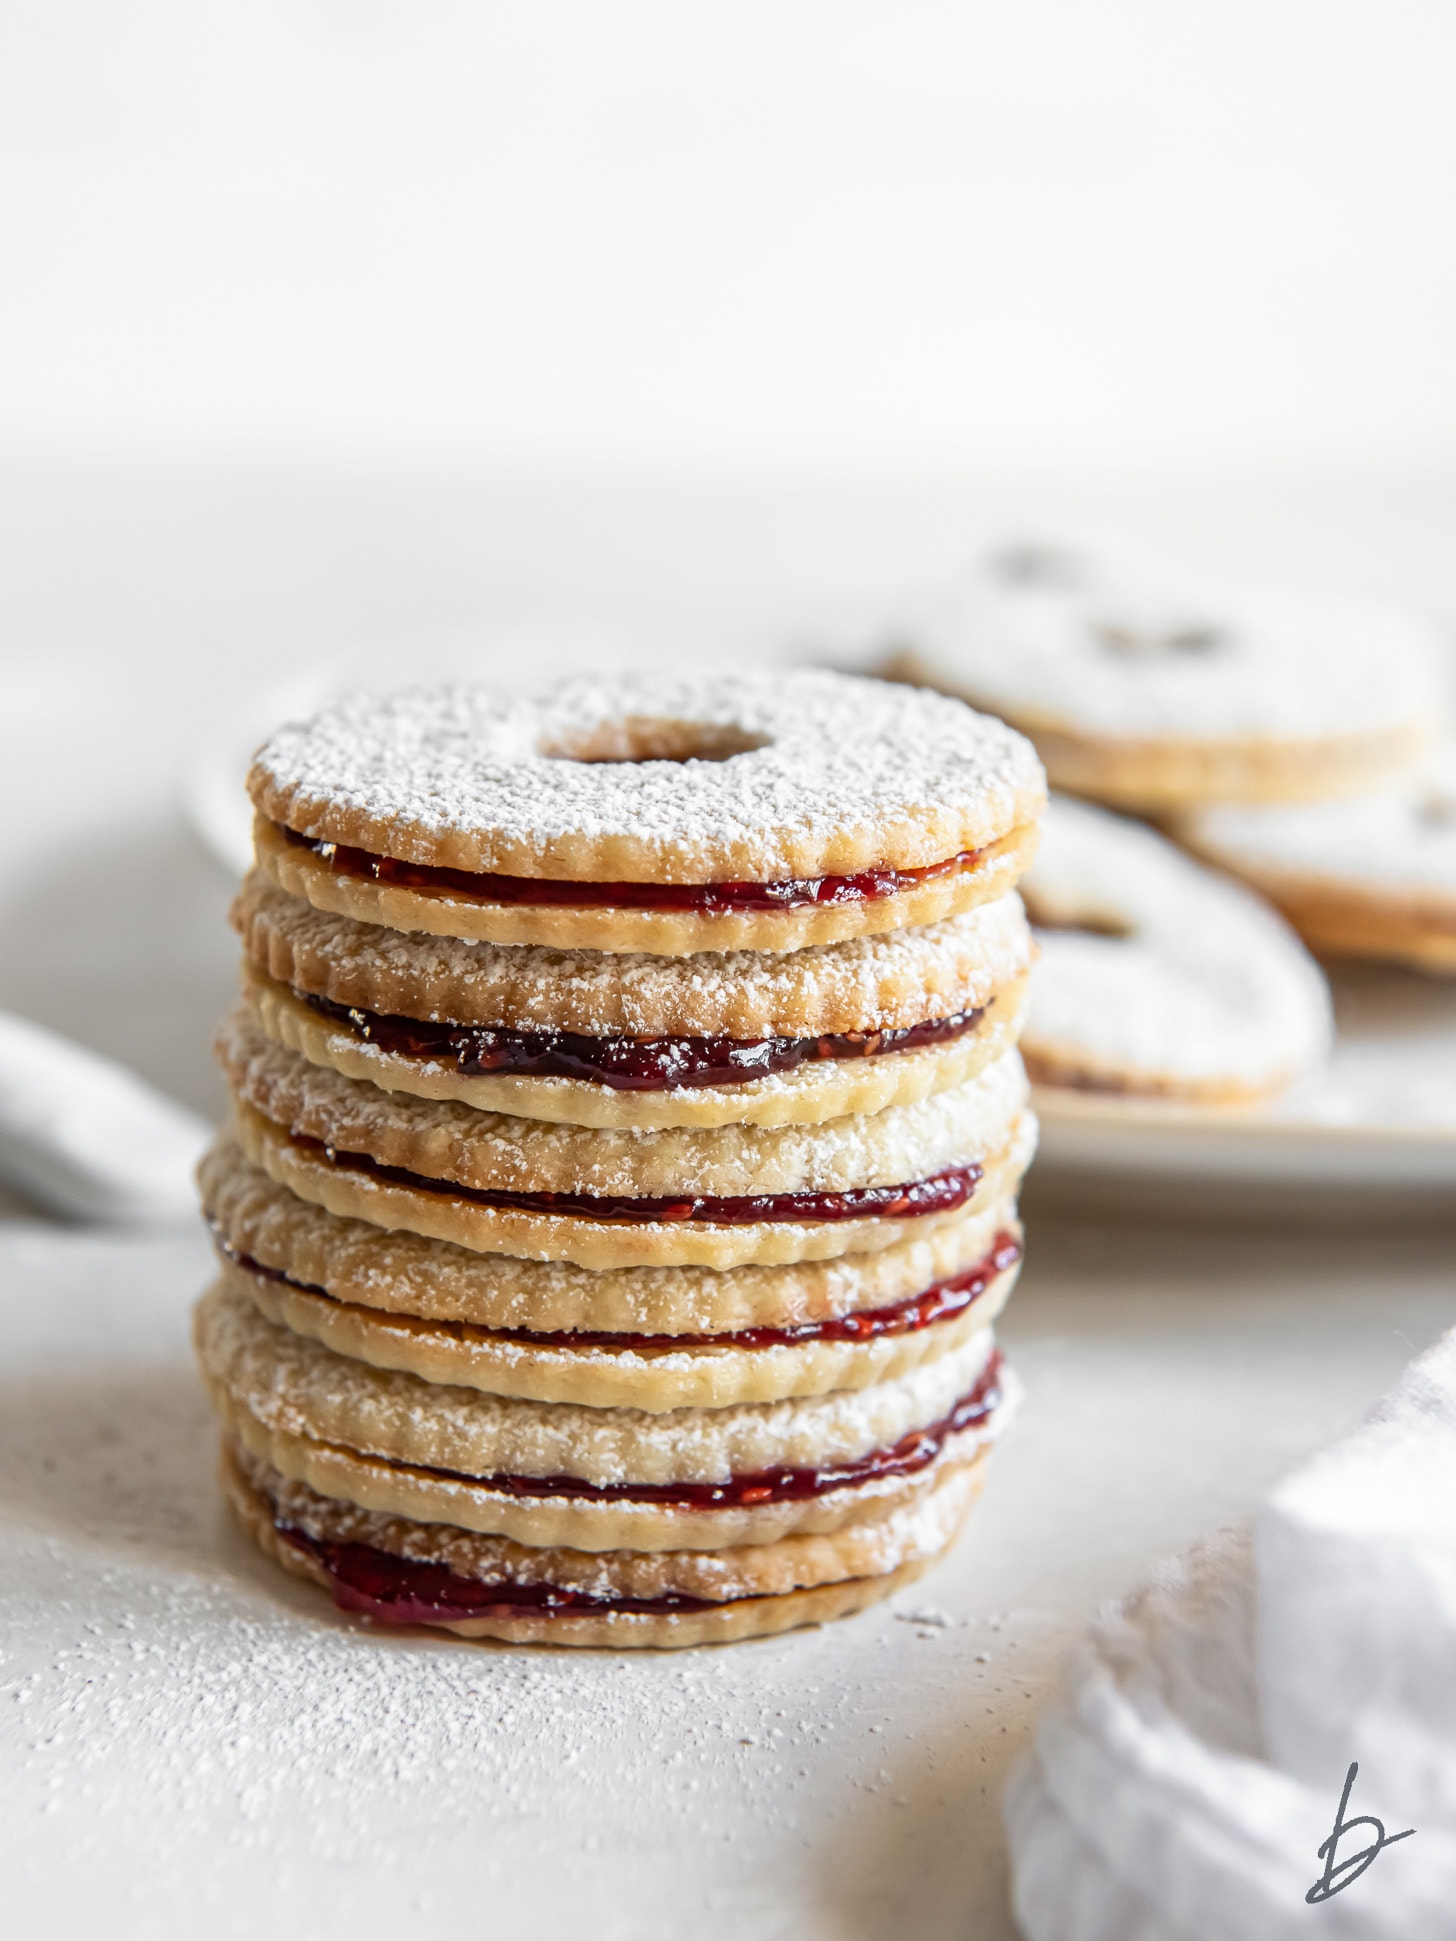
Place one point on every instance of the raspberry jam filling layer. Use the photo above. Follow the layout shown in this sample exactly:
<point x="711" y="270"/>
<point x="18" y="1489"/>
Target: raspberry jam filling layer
<point x="708" y="899"/>
<point x="403" y="1590"/>
<point x="941" y="1193"/>
<point x="625" y="1064"/>
<point x="942" y="1301"/>
<point x="914" y="1451"/>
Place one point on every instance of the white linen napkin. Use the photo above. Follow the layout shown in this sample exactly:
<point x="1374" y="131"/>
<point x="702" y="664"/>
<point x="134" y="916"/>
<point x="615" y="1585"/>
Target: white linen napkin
<point x="1182" y="1785"/>
<point x="89" y="1139"/>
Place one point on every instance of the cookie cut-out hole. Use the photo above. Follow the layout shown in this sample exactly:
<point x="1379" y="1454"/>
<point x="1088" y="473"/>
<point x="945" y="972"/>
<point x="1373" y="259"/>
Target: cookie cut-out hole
<point x="1437" y="809"/>
<point x="1132" y="642"/>
<point x="640" y="738"/>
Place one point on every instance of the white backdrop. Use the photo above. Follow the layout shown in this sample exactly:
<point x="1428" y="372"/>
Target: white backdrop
<point x="785" y="233"/>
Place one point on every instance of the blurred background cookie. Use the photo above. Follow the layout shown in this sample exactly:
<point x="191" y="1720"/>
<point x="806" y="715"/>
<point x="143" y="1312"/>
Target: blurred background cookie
<point x="1372" y="875"/>
<point x="1150" y="685"/>
<point x="1157" y="976"/>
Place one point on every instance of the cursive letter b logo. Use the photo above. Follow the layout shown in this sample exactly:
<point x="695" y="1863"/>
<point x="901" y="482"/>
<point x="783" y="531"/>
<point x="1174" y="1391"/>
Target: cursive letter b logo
<point x="1338" y="1876"/>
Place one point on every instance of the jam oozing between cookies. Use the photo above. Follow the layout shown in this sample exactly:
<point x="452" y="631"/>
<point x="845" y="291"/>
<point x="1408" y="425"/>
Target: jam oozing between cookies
<point x="405" y="1590"/>
<point x="625" y="1064"/>
<point x="706" y="899"/>
<point x="915" y="1451"/>
<point x="941" y="1193"/>
<point x="942" y="1301"/>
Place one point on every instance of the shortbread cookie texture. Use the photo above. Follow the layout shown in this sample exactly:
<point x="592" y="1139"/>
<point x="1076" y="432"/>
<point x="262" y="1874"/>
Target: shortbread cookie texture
<point x="627" y="1131"/>
<point x="790" y="914"/>
<point x="581" y="1038"/>
<point x="749" y="778"/>
<point x="655" y="1373"/>
<point x="1149" y="687"/>
<point x="602" y="1235"/>
<point x="492" y="1152"/>
<point x="402" y="1572"/>
<point x="696" y="1479"/>
<point x="1373" y="876"/>
<point x="761" y="812"/>
<point x="821" y="1080"/>
<point x="889" y="982"/>
<point x="359" y="1263"/>
<point x="1157" y="976"/>
<point x="294" y="1383"/>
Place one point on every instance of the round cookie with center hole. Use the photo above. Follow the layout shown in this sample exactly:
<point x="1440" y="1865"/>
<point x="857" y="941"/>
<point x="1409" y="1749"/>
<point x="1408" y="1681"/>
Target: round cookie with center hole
<point x="399" y="1572"/>
<point x="1373" y="876"/>
<point x="649" y="813"/>
<point x="1158" y="977"/>
<point x="591" y="1479"/>
<point x="262" y="1224"/>
<point x="1147" y="686"/>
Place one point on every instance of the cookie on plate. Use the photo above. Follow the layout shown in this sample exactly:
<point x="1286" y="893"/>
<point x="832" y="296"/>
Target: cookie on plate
<point x="1150" y="688"/>
<point x="1372" y="876"/>
<point x="1158" y="977"/>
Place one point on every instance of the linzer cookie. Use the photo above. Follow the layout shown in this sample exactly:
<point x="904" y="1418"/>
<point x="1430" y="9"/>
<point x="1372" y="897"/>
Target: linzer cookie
<point x="1158" y="977"/>
<point x="738" y="1037"/>
<point x="1149" y="687"/>
<point x="762" y="812"/>
<point x="593" y="1479"/>
<point x="628" y="1128"/>
<point x="1374" y="876"/>
<point x="651" y="1338"/>
<point x="400" y="1571"/>
<point x="715" y="1198"/>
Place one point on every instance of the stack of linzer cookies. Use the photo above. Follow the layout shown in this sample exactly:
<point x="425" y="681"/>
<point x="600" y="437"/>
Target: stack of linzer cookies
<point x="628" y="1128"/>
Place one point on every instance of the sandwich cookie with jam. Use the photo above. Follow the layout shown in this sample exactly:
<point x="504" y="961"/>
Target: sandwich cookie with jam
<point x="628" y="1128"/>
<point x="672" y="816"/>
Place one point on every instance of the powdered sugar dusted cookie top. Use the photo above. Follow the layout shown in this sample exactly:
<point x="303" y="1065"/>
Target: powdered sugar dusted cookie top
<point x="1114" y="639"/>
<point x="755" y="777"/>
<point x="1157" y="976"/>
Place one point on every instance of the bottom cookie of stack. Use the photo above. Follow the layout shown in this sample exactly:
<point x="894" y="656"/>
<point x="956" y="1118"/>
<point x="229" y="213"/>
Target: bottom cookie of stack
<point x="401" y="1572"/>
<point x="494" y="1517"/>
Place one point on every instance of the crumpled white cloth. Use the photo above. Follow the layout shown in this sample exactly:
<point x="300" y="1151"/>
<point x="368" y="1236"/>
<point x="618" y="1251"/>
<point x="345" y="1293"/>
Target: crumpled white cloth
<point x="1182" y="1784"/>
<point x="89" y="1139"/>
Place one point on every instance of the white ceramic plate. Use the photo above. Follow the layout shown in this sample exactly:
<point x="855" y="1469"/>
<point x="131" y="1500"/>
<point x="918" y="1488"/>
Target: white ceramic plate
<point x="1383" y="1112"/>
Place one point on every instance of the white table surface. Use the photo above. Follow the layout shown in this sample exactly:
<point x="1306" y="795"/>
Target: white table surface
<point x="189" y="1742"/>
